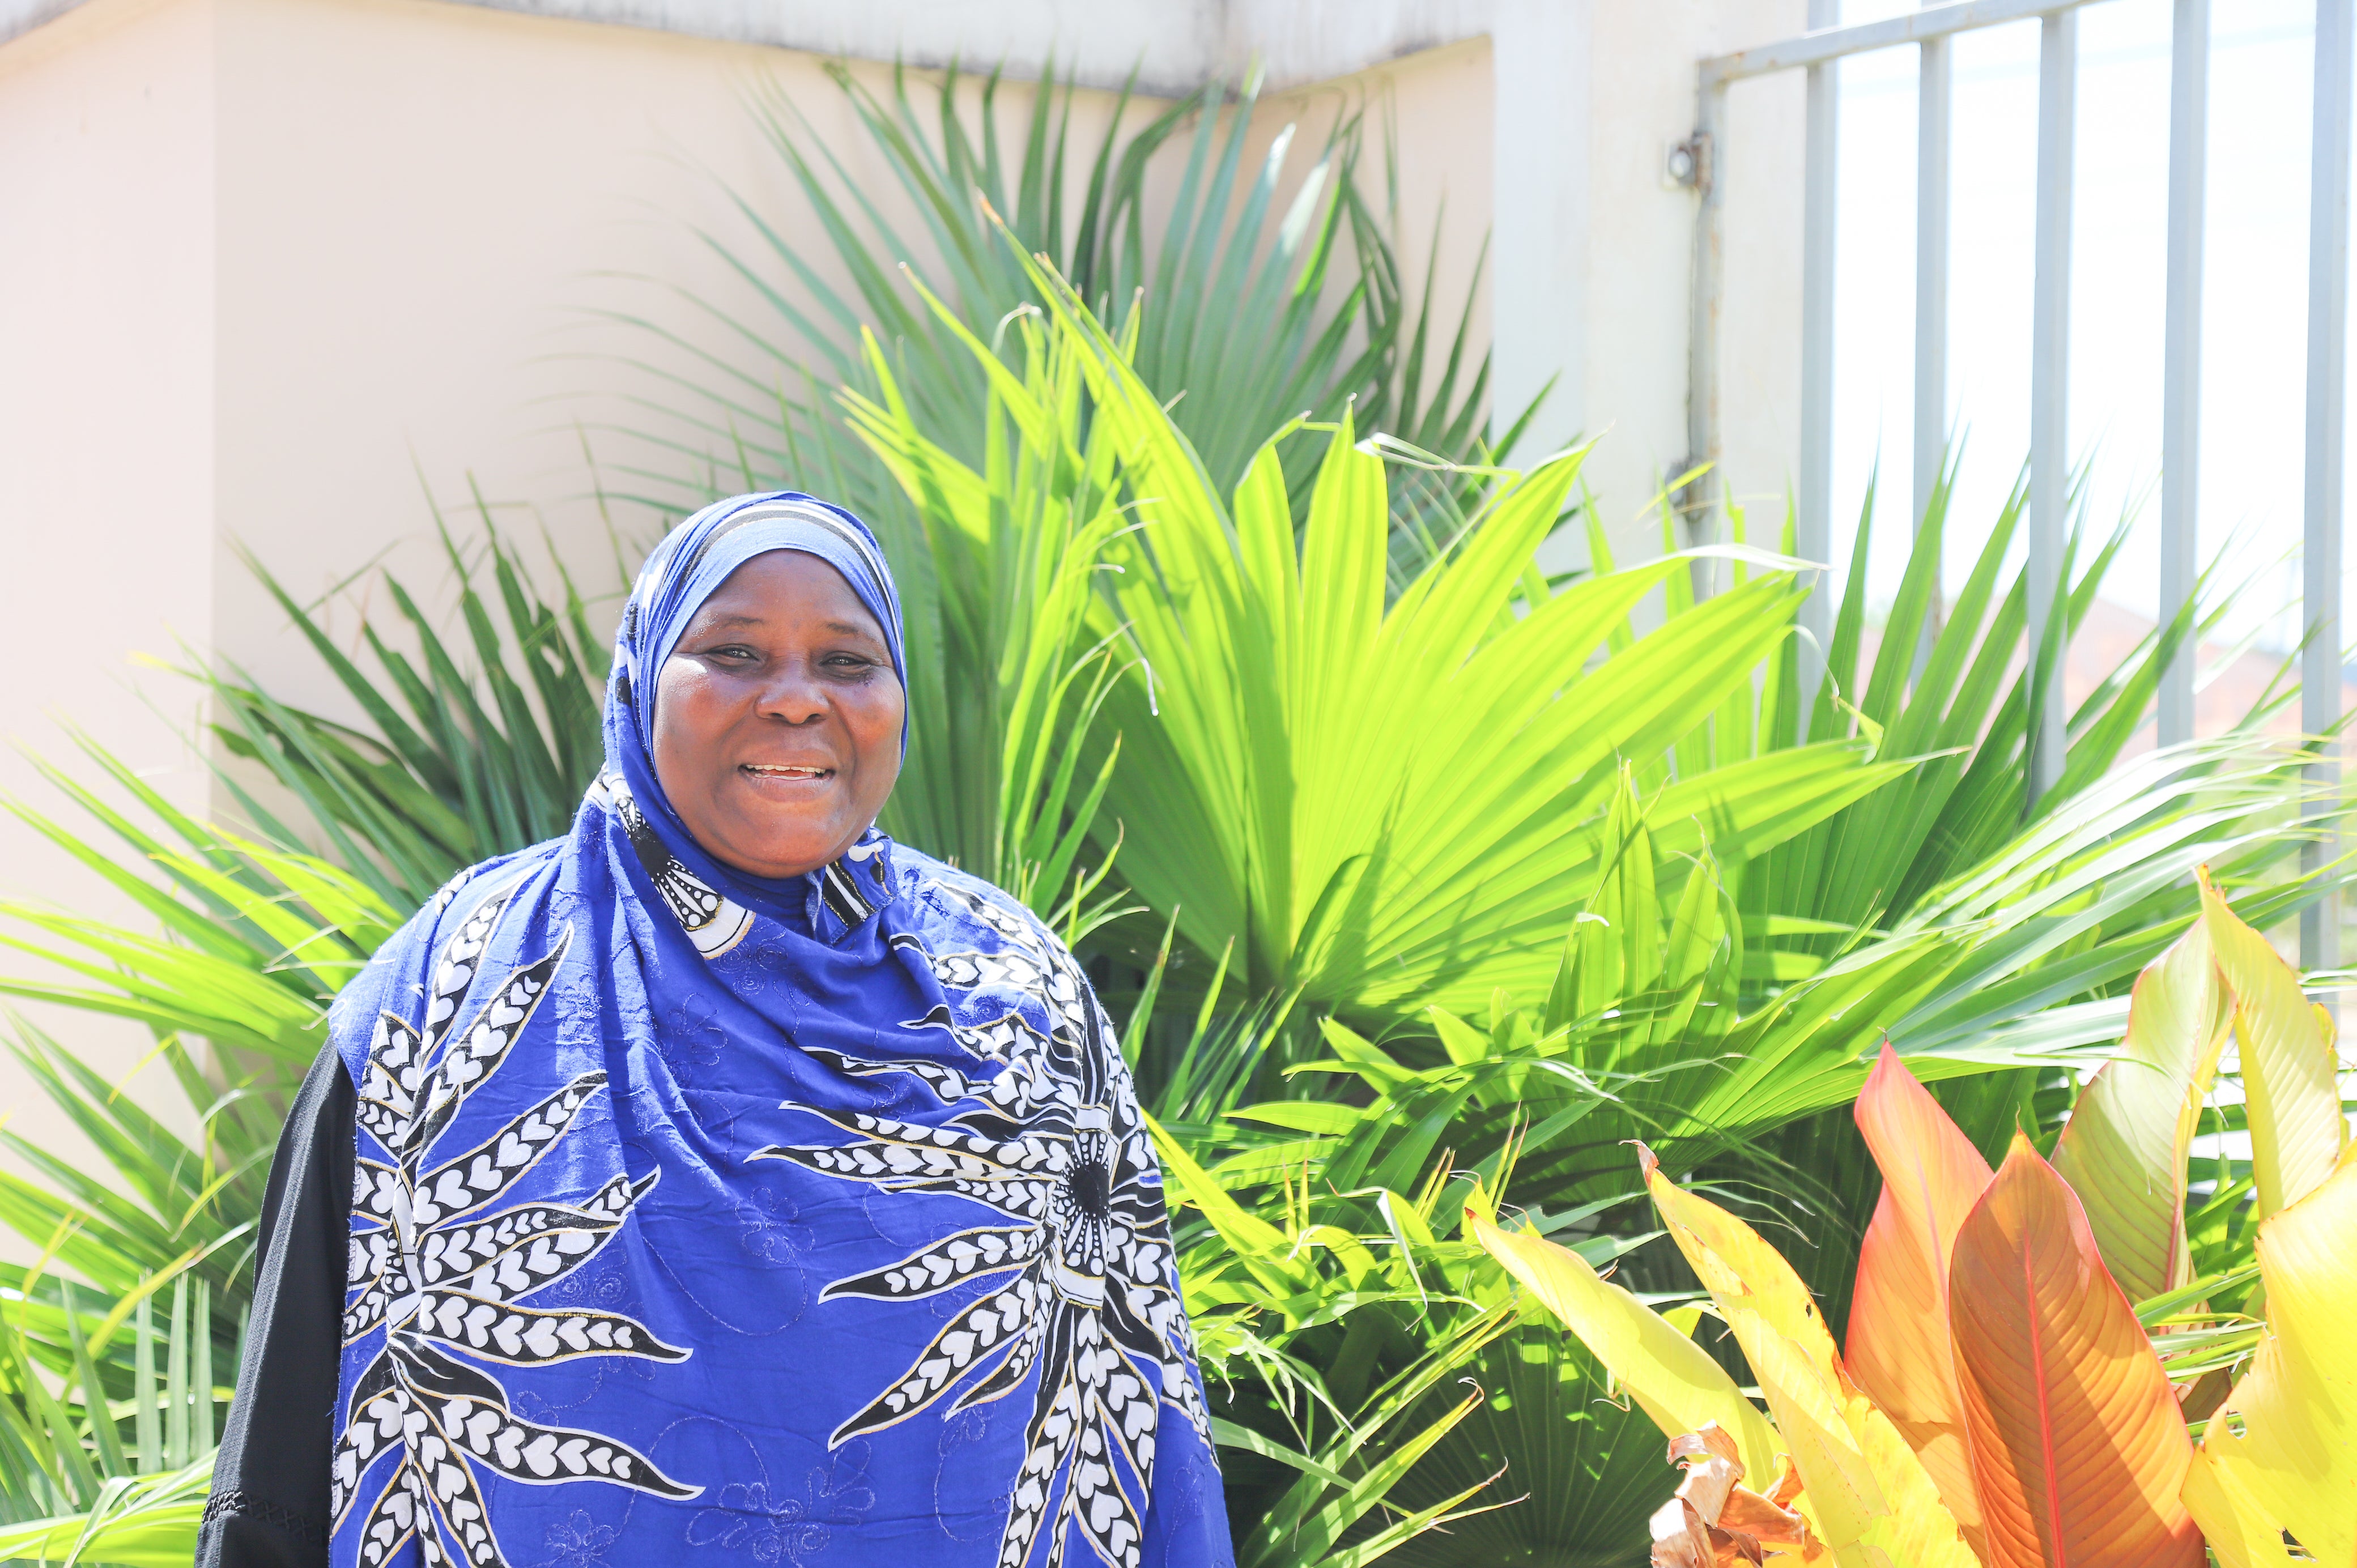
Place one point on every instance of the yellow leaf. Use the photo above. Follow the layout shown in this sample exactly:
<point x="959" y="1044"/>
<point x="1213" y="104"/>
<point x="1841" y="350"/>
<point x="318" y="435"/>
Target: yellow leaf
<point x="2293" y="1464"/>
<point x="2123" y="1150"/>
<point x="1865" y="1490"/>
<point x="2289" y="1062"/>
<point x="1672" y="1379"/>
<point x="2233" y="1523"/>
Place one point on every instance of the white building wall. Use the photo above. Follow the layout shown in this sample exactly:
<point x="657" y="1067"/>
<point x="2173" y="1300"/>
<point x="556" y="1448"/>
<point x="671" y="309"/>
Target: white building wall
<point x="1593" y="245"/>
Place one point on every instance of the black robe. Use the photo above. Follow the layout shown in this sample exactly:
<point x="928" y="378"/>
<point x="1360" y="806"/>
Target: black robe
<point x="269" y="1502"/>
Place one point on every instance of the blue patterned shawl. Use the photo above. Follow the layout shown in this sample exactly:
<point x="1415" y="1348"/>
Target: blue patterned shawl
<point x="703" y="1218"/>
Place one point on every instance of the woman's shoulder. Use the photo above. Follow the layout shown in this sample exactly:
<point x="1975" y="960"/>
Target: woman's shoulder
<point x="950" y="898"/>
<point x="467" y="892"/>
<point x="398" y="966"/>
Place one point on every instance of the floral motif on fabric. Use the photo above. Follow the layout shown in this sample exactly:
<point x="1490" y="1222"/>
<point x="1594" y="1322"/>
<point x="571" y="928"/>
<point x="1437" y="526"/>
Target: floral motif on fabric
<point x="1074" y="1291"/>
<point x="776" y="1525"/>
<point x="444" y="1267"/>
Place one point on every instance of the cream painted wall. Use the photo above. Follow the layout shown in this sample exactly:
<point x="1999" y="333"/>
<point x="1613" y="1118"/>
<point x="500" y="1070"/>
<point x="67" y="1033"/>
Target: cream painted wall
<point x="421" y="208"/>
<point x="1438" y="104"/>
<point x="107" y="438"/>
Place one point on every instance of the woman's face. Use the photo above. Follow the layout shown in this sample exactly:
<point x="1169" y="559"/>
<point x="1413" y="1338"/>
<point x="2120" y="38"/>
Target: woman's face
<point x="777" y="717"/>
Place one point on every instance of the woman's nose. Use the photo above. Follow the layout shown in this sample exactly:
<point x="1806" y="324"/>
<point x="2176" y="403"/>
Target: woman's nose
<point x="794" y="695"/>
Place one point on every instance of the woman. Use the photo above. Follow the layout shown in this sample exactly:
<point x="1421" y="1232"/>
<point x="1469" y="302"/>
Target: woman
<point x="722" y="1180"/>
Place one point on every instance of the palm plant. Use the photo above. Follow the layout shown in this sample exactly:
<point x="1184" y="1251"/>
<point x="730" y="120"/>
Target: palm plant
<point x="479" y="749"/>
<point x="1244" y="320"/>
<point x="1369" y="854"/>
<point x="74" y="1485"/>
<point x="256" y="940"/>
<point x="1962" y="708"/>
<point x="1255" y="311"/>
<point x="1250" y="307"/>
<point x="1025" y="538"/>
<point x="1375" y="857"/>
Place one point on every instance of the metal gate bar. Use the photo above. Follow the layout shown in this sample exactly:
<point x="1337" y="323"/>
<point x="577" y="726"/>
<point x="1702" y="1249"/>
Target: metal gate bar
<point x="2181" y="395"/>
<point x="2328" y="380"/>
<point x="2049" y="386"/>
<point x="1812" y="526"/>
<point x="1933" y="115"/>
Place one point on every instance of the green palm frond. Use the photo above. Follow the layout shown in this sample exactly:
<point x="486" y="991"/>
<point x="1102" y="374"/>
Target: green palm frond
<point x="252" y="942"/>
<point x="108" y="1422"/>
<point x="481" y="744"/>
<point x="1007" y="679"/>
<point x="1390" y="804"/>
<point x="148" y="1522"/>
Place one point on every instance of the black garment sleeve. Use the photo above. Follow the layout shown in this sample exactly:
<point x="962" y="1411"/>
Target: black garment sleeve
<point x="269" y="1502"/>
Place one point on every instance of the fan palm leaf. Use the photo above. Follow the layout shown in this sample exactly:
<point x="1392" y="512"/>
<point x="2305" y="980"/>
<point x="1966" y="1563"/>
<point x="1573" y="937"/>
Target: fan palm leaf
<point x="1390" y="804"/>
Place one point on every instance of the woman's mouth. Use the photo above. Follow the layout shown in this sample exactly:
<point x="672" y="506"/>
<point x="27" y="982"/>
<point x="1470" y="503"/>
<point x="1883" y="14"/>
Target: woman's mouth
<point x="787" y="772"/>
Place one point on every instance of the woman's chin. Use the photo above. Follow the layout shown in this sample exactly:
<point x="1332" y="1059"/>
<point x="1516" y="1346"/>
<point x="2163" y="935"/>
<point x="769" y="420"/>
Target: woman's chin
<point x="774" y="850"/>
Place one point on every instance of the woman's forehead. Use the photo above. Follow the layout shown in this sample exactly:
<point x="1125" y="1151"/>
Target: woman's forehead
<point x="786" y="584"/>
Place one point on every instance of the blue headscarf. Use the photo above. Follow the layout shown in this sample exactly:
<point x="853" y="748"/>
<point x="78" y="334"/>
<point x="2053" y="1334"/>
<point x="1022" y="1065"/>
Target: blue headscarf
<point x="700" y="1214"/>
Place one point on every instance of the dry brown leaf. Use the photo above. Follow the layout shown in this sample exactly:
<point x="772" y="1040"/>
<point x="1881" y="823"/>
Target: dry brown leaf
<point x="1714" y="1521"/>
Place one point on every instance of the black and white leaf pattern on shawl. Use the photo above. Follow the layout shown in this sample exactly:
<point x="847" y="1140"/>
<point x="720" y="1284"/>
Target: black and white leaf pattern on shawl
<point x="441" y="1270"/>
<point x="1077" y="1293"/>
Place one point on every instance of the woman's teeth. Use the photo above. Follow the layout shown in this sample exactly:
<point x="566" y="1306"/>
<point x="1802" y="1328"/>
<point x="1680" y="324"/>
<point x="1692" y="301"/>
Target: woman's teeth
<point x="767" y="771"/>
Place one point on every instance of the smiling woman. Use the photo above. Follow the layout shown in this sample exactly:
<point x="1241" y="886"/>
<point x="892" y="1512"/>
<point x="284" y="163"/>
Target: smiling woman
<point x="719" y="1144"/>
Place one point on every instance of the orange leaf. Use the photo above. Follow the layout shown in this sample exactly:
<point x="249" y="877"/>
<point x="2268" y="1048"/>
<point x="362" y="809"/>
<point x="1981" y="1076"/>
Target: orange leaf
<point x="1898" y="1345"/>
<point x="2078" y="1449"/>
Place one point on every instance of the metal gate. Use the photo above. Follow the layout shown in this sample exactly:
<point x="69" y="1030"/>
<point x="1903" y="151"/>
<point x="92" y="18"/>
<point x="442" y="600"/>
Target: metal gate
<point x="1710" y="162"/>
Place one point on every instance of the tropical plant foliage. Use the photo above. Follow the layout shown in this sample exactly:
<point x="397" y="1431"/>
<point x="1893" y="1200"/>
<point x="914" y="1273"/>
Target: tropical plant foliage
<point x="2002" y="1404"/>
<point x="255" y="941"/>
<point x="1247" y="306"/>
<point x="1241" y="320"/>
<point x="114" y="1391"/>
<point x="480" y="746"/>
<point x="1322" y="1130"/>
